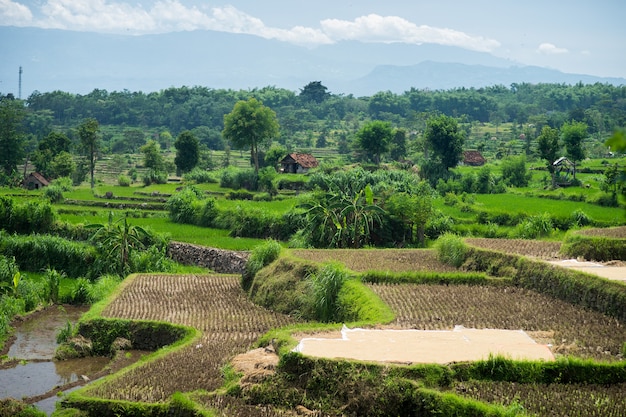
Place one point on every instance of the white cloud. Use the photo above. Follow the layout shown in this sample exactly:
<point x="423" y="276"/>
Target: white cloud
<point x="375" y="28"/>
<point x="114" y="16"/>
<point x="14" y="14"/>
<point x="551" y="49"/>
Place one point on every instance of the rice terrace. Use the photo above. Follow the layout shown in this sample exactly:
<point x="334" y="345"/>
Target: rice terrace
<point x="354" y="256"/>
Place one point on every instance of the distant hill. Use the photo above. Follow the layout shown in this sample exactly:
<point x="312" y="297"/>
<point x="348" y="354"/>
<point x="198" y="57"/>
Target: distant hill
<point x="79" y="62"/>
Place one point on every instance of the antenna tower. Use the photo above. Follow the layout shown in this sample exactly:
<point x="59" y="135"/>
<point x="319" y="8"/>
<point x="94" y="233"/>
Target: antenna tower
<point x="19" y="94"/>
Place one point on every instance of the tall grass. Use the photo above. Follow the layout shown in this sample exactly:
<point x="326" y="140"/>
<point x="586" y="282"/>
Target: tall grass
<point x="326" y="284"/>
<point x="260" y="257"/>
<point x="451" y="250"/>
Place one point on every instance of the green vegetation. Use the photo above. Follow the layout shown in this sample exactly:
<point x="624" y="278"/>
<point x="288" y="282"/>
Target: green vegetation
<point x="392" y="174"/>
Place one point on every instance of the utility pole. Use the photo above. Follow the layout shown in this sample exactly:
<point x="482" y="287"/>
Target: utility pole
<point x="19" y="94"/>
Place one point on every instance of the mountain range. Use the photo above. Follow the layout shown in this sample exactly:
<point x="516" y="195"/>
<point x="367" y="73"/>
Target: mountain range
<point x="79" y="62"/>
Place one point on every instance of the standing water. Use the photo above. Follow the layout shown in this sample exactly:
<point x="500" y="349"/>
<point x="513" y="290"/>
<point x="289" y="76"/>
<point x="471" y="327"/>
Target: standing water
<point x="35" y="374"/>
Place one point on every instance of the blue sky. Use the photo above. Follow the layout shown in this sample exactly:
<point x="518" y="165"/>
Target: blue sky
<point x="587" y="37"/>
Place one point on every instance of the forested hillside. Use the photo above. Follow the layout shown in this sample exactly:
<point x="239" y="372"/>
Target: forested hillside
<point x="316" y="117"/>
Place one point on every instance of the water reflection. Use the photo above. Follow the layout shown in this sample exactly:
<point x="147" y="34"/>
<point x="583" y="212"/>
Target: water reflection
<point x="37" y="378"/>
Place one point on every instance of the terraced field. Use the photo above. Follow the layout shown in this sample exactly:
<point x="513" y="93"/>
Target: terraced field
<point x="571" y="330"/>
<point x="214" y="304"/>
<point x="391" y="260"/>
<point x="525" y="247"/>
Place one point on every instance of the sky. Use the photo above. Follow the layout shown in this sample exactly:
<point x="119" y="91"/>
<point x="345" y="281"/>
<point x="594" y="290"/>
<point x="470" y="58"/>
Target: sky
<point x="575" y="36"/>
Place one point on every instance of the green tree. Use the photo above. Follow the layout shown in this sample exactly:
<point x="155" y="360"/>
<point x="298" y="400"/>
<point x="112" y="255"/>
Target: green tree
<point x="315" y="92"/>
<point x="373" y="139"/>
<point x="445" y="140"/>
<point x="165" y="139"/>
<point x="514" y="171"/>
<point x="49" y="149"/>
<point x="152" y="157"/>
<point x="548" y="148"/>
<point x="134" y="139"/>
<point x="274" y="155"/>
<point x="574" y="133"/>
<point x="12" y="114"/>
<point x="398" y="145"/>
<point x="88" y="134"/>
<point x="413" y="210"/>
<point x="187" y="152"/>
<point x="250" y="124"/>
<point x="62" y="165"/>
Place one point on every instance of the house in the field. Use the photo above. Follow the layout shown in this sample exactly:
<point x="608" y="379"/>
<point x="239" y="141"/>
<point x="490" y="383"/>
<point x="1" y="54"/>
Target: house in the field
<point x="298" y="163"/>
<point x="473" y="158"/>
<point x="35" y="181"/>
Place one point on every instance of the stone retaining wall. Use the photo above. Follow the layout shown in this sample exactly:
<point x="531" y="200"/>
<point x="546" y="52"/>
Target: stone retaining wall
<point x="218" y="260"/>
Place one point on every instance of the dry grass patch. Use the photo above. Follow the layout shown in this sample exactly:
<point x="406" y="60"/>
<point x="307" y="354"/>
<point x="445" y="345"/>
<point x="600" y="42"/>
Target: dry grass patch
<point x="391" y="260"/>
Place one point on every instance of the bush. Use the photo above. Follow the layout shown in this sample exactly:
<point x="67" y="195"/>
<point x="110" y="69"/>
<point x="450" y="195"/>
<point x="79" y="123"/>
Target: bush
<point x="451" y="250"/>
<point x="31" y="217"/>
<point x="438" y="225"/>
<point x="103" y="287"/>
<point x="31" y="292"/>
<point x="580" y="218"/>
<point x="595" y="248"/>
<point x="260" y="257"/>
<point x="155" y="177"/>
<point x="206" y="212"/>
<point x="181" y="205"/>
<point x="53" y="193"/>
<point x="123" y="181"/>
<point x="239" y="195"/>
<point x="200" y="176"/>
<point x="40" y="252"/>
<point x="535" y="226"/>
<point x="236" y="178"/>
<point x="65" y="183"/>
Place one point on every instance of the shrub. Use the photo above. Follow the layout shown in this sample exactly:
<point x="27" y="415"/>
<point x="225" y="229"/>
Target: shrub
<point x="206" y="212"/>
<point x="514" y="172"/>
<point x="53" y="282"/>
<point x="451" y="250"/>
<point x="53" y="193"/>
<point x="123" y="181"/>
<point x="438" y="225"/>
<point x="32" y="217"/>
<point x="240" y="195"/>
<point x="8" y="268"/>
<point x="534" y="227"/>
<point x="580" y="218"/>
<point x="81" y="293"/>
<point x="181" y="206"/>
<point x="65" y="183"/>
<point x="595" y="248"/>
<point x="40" y="252"/>
<point x="155" y="177"/>
<point x="262" y="197"/>
<point x="260" y="257"/>
<point x="31" y="292"/>
<point x="200" y="176"/>
<point x="236" y="178"/>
